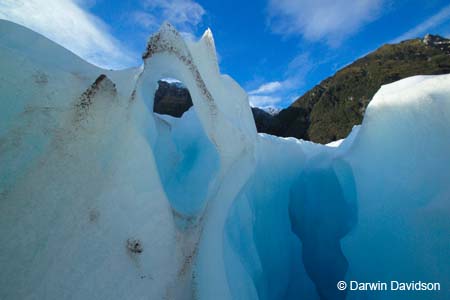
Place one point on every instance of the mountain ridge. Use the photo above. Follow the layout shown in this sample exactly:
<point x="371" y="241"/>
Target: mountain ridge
<point x="329" y="110"/>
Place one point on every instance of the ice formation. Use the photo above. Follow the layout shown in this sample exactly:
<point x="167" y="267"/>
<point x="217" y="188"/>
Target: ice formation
<point x="100" y="198"/>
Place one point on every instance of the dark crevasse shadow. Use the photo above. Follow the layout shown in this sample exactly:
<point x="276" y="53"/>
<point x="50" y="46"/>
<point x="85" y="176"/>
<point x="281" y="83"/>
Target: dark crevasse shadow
<point x="322" y="210"/>
<point x="258" y="231"/>
<point x="262" y="260"/>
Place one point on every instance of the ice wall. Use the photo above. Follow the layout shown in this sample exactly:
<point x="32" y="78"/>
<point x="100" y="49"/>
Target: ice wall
<point x="400" y="160"/>
<point x="100" y="198"/>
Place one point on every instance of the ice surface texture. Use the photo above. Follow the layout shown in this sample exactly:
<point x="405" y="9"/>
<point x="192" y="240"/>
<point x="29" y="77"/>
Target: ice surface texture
<point x="100" y="198"/>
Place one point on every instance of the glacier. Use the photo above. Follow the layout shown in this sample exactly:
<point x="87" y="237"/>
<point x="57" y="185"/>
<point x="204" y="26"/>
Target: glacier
<point x="100" y="198"/>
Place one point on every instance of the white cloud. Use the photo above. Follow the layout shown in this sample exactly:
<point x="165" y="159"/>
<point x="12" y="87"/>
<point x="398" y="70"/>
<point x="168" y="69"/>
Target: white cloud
<point x="270" y="94"/>
<point x="432" y="22"/>
<point x="269" y="87"/>
<point x="264" y="101"/>
<point x="66" y="23"/>
<point x="145" y="20"/>
<point x="183" y="14"/>
<point x="87" y="3"/>
<point x="329" y="20"/>
<point x="276" y="93"/>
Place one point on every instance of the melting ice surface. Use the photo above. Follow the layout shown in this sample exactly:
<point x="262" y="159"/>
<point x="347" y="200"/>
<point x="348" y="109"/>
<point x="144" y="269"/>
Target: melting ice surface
<point x="100" y="198"/>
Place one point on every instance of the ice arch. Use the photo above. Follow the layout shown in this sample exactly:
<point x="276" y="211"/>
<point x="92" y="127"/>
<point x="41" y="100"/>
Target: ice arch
<point x="226" y="126"/>
<point x="228" y="134"/>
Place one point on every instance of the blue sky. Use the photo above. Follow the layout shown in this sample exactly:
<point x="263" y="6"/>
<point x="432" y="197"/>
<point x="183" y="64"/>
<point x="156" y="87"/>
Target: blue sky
<point x="275" y="49"/>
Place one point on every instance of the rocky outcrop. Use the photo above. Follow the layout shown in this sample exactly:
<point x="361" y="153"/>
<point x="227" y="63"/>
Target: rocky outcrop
<point x="174" y="99"/>
<point x="171" y="99"/>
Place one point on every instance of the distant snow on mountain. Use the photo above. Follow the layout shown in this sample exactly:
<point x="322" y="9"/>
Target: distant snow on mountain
<point x="271" y="110"/>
